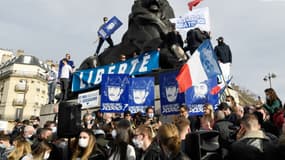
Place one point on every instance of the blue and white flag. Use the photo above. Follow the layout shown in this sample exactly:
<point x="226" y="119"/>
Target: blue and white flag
<point x="141" y="94"/>
<point x="197" y="18"/>
<point x="198" y="95"/>
<point x="170" y="98"/>
<point x="114" y="92"/>
<point x="109" y="28"/>
<point x="88" y="79"/>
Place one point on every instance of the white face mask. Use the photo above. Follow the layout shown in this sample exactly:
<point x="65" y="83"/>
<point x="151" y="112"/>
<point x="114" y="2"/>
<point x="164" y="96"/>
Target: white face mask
<point x="137" y="143"/>
<point x="150" y="115"/>
<point x="229" y="104"/>
<point x="46" y="155"/>
<point x="114" y="134"/>
<point x="54" y="129"/>
<point x="83" y="142"/>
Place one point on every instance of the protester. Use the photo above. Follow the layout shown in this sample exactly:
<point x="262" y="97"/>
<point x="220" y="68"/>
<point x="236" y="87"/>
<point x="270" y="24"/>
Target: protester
<point x="22" y="149"/>
<point x="151" y="119"/>
<point x="170" y="143"/>
<point x="194" y="38"/>
<point x="251" y="142"/>
<point x="52" y="82"/>
<point x="144" y="141"/>
<point x="224" y="56"/>
<point x="121" y="148"/>
<point x="273" y="103"/>
<point x="69" y="62"/>
<point x="65" y="75"/>
<point x="85" y="147"/>
<point x="230" y="100"/>
<point x="41" y="152"/>
<point x="5" y="146"/>
<point x="183" y="126"/>
<point x="207" y="120"/>
<point x="101" y="40"/>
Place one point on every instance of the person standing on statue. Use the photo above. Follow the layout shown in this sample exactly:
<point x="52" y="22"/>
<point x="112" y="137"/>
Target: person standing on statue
<point x="224" y="56"/>
<point x="69" y="61"/>
<point x="101" y="39"/>
<point x="66" y="72"/>
<point x="52" y="77"/>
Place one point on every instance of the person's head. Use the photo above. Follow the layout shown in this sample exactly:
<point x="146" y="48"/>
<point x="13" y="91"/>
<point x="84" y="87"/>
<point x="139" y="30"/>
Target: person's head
<point x="64" y="61"/>
<point x="22" y="147"/>
<point x="239" y="111"/>
<point x="115" y="88"/>
<point x="250" y="122"/>
<point x="183" y="110"/>
<point x="225" y="108"/>
<point x="143" y="136"/>
<point x="270" y="94"/>
<point x="183" y="126"/>
<point x="85" y="144"/>
<point x="219" y="115"/>
<point x="45" y="134"/>
<point x="67" y="56"/>
<point x="105" y="19"/>
<point x="29" y="131"/>
<point x="140" y="91"/>
<point x="42" y="151"/>
<point x="5" y="141"/>
<point x="122" y="57"/>
<point x="230" y="101"/>
<point x="127" y="115"/>
<point x="52" y="67"/>
<point x="220" y="40"/>
<point x="208" y="110"/>
<point x="149" y="111"/>
<point x="169" y="139"/>
<point x="51" y="125"/>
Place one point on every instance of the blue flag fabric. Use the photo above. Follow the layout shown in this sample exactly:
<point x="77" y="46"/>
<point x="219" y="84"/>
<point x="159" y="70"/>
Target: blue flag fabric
<point x="170" y="98"/>
<point x="88" y="79"/>
<point x="198" y="95"/>
<point x="109" y="28"/>
<point x="114" y="92"/>
<point x="141" y="94"/>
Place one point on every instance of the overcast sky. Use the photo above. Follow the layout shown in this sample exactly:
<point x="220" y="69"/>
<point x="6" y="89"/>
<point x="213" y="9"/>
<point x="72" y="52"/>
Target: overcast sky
<point x="48" y="29"/>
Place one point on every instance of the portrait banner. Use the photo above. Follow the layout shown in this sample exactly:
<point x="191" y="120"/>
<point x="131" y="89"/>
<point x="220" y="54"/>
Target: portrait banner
<point x="200" y="94"/>
<point x="141" y="94"/>
<point x="170" y="98"/>
<point x="114" y="92"/>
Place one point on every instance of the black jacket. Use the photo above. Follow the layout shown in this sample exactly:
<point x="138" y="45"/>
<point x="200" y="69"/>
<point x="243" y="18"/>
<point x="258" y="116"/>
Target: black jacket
<point x="226" y="131"/>
<point x="152" y="153"/>
<point x="252" y="146"/>
<point x="223" y="53"/>
<point x="179" y="156"/>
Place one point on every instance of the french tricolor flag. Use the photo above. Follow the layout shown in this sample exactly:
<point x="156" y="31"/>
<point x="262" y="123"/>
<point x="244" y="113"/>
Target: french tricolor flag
<point x="200" y="67"/>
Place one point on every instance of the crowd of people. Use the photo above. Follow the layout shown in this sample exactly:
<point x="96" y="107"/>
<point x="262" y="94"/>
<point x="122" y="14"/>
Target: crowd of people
<point x="244" y="132"/>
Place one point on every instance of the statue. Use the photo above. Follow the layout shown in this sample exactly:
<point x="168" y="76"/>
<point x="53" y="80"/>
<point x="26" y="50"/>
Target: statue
<point x="147" y="28"/>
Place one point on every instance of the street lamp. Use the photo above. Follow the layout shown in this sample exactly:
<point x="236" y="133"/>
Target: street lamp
<point x="269" y="77"/>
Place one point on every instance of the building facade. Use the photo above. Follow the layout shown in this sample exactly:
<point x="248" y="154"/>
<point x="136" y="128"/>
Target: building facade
<point x="23" y="87"/>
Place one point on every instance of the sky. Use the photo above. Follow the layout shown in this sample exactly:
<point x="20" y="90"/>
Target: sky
<point x="47" y="29"/>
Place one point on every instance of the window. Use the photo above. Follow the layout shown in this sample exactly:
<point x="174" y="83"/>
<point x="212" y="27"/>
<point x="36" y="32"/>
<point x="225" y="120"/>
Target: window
<point x="19" y="113"/>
